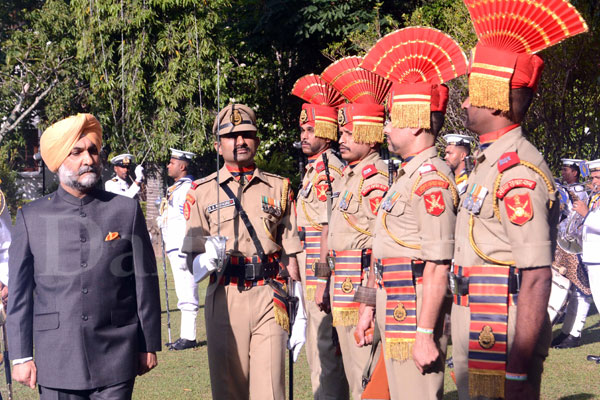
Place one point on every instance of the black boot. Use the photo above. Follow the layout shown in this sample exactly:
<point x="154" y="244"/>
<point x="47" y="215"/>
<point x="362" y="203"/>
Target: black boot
<point x="182" y="344"/>
<point x="558" y="340"/>
<point x="569" y="342"/>
<point x="593" y="358"/>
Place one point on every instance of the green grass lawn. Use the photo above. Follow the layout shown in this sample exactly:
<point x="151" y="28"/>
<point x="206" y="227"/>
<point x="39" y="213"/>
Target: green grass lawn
<point x="184" y="374"/>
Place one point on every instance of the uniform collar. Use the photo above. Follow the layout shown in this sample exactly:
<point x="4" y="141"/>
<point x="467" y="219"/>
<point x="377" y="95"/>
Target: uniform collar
<point x="225" y="176"/>
<point x="493" y="153"/>
<point x="370" y="159"/>
<point x="69" y="198"/>
<point x="314" y="160"/>
<point x="415" y="162"/>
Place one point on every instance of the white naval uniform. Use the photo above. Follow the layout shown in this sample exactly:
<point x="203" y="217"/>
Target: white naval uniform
<point x="579" y="303"/>
<point x="5" y="236"/>
<point x="172" y="224"/>
<point x="119" y="186"/>
<point x="591" y="247"/>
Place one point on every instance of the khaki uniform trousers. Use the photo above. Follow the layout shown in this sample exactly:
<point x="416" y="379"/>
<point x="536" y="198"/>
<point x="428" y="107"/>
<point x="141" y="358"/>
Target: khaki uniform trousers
<point x="355" y="358"/>
<point x="246" y="347"/>
<point x="404" y="379"/>
<point x="461" y="318"/>
<point x="326" y="367"/>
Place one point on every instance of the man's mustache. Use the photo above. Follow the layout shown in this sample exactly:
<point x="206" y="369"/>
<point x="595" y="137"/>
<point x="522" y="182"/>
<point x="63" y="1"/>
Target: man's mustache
<point x="86" y="169"/>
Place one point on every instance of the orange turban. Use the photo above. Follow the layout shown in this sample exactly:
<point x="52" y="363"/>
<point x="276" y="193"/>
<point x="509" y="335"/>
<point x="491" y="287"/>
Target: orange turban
<point x="58" y="140"/>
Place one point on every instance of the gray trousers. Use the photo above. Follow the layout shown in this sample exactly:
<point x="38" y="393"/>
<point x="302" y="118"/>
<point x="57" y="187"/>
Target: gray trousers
<point x="120" y="391"/>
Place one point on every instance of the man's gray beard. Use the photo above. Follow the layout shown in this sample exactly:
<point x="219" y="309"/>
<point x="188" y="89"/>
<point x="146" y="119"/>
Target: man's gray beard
<point x="70" y="178"/>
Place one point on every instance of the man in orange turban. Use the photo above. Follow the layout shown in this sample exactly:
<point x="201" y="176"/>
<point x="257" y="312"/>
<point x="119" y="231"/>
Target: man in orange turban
<point x="83" y="282"/>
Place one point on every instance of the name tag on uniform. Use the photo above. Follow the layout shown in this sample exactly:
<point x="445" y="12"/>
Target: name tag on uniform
<point x="474" y="199"/>
<point x="271" y="206"/>
<point x="223" y="204"/>
<point x="345" y="201"/>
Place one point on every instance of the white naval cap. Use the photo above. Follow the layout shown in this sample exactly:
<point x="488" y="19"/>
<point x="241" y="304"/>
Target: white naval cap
<point x="122" y="160"/>
<point x="459" y="140"/>
<point x="571" y="162"/>
<point x="593" y="165"/>
<point x="182" y="155"/>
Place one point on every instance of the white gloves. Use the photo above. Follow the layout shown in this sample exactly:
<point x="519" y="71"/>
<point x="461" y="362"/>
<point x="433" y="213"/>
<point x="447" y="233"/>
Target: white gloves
<point x="139" y="173"/>
<point x="204" y="264"/>
<point x="159" y="221"/>
<point x="298" y="335"/>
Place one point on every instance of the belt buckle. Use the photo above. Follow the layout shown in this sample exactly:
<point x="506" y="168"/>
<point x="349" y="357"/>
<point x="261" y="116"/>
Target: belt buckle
<point x="253" y="277"/>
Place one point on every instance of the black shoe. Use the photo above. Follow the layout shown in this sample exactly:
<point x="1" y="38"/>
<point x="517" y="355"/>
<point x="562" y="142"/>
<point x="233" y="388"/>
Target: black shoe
<point x="182" y="344"/>
<point x="450" y="362"/>
<point x="591" y="357"/>
<point x="569" y="343"/>
<point x="559" y="339"/>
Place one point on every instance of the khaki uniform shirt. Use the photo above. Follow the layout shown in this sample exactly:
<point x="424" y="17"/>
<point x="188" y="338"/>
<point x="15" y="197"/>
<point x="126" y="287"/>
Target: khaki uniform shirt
<point x="312" y="199"/>
<point x="417" y="216"/>
<point x="523" y="227"/>
<point x="267" y="201"/>
<point x="355" y="209"/>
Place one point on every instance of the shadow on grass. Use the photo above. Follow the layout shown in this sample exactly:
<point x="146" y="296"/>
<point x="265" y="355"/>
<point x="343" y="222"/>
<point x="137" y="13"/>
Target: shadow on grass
<point x="177" y="309"/>
<point x="579" y="396"/>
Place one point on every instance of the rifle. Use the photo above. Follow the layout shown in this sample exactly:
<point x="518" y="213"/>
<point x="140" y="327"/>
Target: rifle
<point x="329" y="187"/>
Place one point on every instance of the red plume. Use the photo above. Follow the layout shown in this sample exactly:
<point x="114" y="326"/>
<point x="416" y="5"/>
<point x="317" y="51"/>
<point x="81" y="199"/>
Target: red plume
<point x="312" y="89"/>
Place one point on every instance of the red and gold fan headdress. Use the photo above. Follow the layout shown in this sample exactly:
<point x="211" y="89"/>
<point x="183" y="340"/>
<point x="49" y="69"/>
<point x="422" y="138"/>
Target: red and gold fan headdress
<point x="366" y="92"/>
<point x="418" y="60"/>
<point x="321" y="110"/>
<point x="510" y="32"/>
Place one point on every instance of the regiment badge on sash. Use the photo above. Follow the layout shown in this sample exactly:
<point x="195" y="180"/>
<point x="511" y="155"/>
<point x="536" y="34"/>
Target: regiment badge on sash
<point x="518" y="208"/>
<point x="187" y="209"/>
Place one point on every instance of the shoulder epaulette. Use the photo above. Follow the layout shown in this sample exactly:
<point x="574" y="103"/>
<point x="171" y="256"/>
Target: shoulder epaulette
<point x="201" y="181"/>
<point x="508" y="160"/>
<point x="273" y="175"/>
<point x="114" y="179"/>
<point x="427" y="168"/>
<point x="368" y="171"/>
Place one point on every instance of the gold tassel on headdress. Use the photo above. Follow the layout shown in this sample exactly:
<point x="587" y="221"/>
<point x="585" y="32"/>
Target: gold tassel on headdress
<point x="398" y="349"/>
<point x="326" y="130"/>
<point x="489" y="384"/>
<point x="489" y="91"/>
<point x="345" y="316"/>
<point x="411" y="115"/>
<point x="367" y="132"/>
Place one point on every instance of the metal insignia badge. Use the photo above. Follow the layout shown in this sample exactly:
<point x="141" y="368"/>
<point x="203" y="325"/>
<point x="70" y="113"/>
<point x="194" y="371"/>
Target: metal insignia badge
<point x="126" y="161"/>
<point x="400" y="312"/>
<point x="486" y="337"/>
<point x="303" y="116"/>
<point x="347" y="286"/>
<point x="342" y="117"/>
<point x="236" y="117"/>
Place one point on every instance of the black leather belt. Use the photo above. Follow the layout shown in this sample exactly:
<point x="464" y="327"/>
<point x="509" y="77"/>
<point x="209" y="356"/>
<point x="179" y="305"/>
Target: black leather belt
<point x="459" y="285"/>
<point x="252" y="271"/>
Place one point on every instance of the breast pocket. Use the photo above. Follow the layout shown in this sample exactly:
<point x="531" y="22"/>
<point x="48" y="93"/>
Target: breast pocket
<point x="222" y="215"/>
<point x="398" y="208"/>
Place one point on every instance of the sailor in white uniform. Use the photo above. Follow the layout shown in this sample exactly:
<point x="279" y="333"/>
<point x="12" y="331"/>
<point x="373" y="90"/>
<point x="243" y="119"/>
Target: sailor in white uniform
<point x="120" y="183"/>
<point x="172" y="224"/>
<point x="457" y="149"/>
<point x="5" y="237"/>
